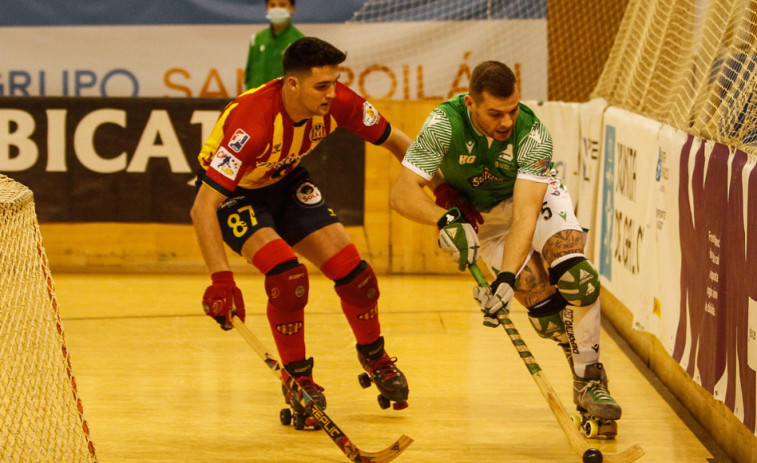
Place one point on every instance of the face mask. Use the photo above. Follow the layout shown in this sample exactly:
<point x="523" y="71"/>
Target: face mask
<point x="277" y="16"/>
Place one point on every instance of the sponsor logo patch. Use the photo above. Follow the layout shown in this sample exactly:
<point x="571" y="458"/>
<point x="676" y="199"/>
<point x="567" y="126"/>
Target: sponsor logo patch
<point x="309" y="195"/>
<point x="370" y="315"/>
<point x="370" y="115"/>
<point x="485" y="178"/>
<point x="237" y="141"/>
<point x="289" y="329"/>
<point x="226" y="163"/>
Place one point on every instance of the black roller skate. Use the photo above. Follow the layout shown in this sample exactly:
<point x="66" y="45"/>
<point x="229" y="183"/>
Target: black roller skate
<point x="597" y="410"/>
<point x="381" y="371"/>
<point x="302" y="373"/>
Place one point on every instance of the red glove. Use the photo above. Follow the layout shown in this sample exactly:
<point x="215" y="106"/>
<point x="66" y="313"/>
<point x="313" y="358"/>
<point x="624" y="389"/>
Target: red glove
<point x="448" y="197"/>
<point x="223" y="299"/>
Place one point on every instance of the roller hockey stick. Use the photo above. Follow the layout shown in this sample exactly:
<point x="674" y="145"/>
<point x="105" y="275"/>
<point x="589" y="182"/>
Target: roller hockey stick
<point x="577" y="441"/>
<point x="324" y="422"/>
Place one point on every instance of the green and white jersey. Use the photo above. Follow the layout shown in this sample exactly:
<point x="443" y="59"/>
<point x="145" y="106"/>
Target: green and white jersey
<point x="481" y="167"/>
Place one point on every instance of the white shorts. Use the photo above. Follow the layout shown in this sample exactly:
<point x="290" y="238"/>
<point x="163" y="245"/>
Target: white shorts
<point x="556" y="215"/>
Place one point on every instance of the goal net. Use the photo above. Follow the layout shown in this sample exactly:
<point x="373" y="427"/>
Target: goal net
<point x="41" y="418"/>
<point x="691" y="64"/>
<point x="426" y="49"/>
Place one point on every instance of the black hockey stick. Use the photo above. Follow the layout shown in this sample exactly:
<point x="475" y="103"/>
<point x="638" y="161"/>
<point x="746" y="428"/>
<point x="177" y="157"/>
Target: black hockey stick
<point x="311" y="408"/>
<point x="577" y="441"/>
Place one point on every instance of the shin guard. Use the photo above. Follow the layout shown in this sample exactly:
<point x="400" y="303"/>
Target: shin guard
<point x="287" y="288"/>
<point x="357" y="287"/>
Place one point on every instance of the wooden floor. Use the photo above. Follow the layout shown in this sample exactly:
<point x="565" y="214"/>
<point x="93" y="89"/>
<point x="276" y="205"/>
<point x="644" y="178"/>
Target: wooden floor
<point x="161" y="382"/>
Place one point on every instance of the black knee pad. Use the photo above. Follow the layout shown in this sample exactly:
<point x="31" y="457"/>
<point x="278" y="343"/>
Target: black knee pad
<point x="287" y="286"/>
<point x="359" y="287"/>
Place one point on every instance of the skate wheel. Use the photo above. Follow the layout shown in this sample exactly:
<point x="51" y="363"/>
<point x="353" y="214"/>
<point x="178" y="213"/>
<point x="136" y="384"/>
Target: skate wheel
<point x="285" y="415"/>
<point x="364" y="380"/>
<point x="576" y="421"/>
<point x="400" y="405"/>
<point x="383" y="402"/>
<point x="591" y="429"/>
<point x="299" y="421"/>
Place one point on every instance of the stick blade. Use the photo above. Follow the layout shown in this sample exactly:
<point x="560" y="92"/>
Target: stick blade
<point x="388" y="454"/>
<point x="628" y="455"/>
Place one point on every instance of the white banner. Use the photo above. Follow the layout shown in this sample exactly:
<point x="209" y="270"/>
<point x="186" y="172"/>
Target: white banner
<point x="562" y="121"/>
<point x="591" y="124"/>
<point x="667" y="298"/>
<point x="627" y="247"/>
<point x="397" y="60"/>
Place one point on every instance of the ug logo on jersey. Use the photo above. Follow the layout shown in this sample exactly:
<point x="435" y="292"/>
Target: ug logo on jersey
<point x="226" y="163"/>
<point x="370" y="114"/>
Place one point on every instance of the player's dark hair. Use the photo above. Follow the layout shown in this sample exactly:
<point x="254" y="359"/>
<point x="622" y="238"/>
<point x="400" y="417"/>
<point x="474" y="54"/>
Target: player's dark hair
<point x="307" y="53"/>
<point x="492" y="77"/>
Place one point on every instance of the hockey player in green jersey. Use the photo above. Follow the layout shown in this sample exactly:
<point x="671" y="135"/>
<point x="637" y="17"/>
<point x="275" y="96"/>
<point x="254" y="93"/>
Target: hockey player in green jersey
<point x="500" y="199"/>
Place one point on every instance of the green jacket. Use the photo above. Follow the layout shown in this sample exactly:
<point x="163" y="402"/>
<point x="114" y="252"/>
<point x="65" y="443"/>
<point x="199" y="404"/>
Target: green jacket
<point x="265" y="55"/>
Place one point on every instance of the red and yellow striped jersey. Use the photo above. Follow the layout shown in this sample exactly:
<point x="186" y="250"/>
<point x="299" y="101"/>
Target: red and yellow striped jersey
<point x="255" y="143"/>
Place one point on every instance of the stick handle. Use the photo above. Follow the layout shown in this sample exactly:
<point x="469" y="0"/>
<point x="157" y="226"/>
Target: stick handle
<point x="478" y="274"/>
<point x="565" y="421"/>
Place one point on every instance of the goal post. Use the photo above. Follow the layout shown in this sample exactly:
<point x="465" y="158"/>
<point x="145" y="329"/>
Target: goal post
<point x="41" y="414"/>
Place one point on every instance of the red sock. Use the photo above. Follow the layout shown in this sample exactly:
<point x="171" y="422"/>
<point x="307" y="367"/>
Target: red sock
<point x="287" y="324"/>
<point x="288" y="330"/>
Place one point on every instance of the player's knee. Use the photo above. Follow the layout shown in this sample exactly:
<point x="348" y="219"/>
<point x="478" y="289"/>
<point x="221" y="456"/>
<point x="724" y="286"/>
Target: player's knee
<point x="546" y="317"/>
<point x="577" y="280"/>
<point x="287" y="286"/>
<point x="359" y="287"/>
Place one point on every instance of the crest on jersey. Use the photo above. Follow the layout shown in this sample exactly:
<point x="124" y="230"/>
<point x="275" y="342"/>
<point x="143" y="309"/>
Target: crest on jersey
<point x="226" y="163"/>
<point x="506" y="154"/>
<point x="317" y="132"/>
<point x="308" y="195"/>
<point x="237" y="141"/>
<point x="542" y="165"/>
<point x="370" y="115"/>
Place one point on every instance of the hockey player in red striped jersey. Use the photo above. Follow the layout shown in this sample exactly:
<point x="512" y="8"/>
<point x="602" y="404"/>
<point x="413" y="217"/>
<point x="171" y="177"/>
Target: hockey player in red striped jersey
<point x="254" y="195"/>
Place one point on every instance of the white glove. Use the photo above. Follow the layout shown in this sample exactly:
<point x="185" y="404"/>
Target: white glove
<point x="498" y="301"/>
<point x="460" y="240"/>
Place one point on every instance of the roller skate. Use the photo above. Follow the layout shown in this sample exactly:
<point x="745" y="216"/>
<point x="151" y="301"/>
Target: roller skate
<point x="302" y="373"/>
<point x="597" y="409"/>
<point x="381" y="371"/>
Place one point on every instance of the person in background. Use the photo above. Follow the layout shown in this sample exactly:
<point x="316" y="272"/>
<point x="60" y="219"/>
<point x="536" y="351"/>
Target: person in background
<point x="267" y="46"/>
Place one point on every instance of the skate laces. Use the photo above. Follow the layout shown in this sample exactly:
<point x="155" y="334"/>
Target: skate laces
<point x="307" y="383"/>
<point x="597" y="389"/>
<point x="383" y="366"/>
